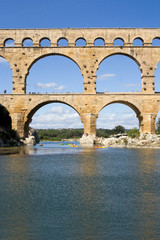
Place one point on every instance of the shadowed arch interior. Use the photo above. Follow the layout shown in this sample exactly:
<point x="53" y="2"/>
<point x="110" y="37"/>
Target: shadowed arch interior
<point x="5" y="119"/>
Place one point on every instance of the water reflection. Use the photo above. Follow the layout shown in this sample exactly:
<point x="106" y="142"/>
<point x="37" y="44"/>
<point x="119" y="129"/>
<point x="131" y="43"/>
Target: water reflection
<point x="89" y="196"/>
<point x="80" y="194"/>
<point x="15" y="223"/>
<point x="149" y="201"/>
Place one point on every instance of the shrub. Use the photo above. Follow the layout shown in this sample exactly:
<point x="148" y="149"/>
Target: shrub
<point x="133" y="133"/>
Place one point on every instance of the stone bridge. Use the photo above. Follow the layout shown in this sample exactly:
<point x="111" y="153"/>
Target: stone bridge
<point x="22" y="106"/>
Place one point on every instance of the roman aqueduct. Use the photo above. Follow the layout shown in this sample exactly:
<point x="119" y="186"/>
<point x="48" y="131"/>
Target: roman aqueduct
<point x="22" y="106"/>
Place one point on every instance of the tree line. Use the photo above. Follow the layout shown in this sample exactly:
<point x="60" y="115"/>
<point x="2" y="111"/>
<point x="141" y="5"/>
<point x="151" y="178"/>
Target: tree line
<point x="60" y="134"/>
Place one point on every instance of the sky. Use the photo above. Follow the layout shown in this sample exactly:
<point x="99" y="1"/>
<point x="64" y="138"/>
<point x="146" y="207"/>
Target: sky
<point x="115" y="74"/>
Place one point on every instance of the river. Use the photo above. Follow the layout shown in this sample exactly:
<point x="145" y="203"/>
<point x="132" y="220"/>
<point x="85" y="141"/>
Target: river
<point x="58" y="192"/>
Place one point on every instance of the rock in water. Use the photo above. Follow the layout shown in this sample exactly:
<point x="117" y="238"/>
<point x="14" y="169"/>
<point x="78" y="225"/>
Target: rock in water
<point x="32" y="138"/>
<point x="87" y="140"/>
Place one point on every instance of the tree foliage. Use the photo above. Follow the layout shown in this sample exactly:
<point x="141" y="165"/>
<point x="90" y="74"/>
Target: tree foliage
<point x="133" y="133"/>
<point x="158" y="126"/>
<point x="60" y="134"/>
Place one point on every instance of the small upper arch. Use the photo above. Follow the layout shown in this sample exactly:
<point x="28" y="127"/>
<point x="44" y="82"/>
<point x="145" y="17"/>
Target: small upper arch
<point x="156" y="41"/>
<point x="9" y="42"/>
<point x="45" y="42"/>
<point x="80" y="42"/>
<point x="118" y="41"/>
<point x="62" y="42"/>
<point x="99" y="41"/>
<point x="27" y="42"/>
<point x="138" y="42"/>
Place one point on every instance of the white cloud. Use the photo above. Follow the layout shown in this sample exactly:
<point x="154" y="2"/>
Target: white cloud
<point x="57" y="117"/>
<point x="110" y="120"/>
<point x="46" y="85"/>
<point x="61" y="87"/>
<point x="106" y="76"/>
<point x="50" y="85"/>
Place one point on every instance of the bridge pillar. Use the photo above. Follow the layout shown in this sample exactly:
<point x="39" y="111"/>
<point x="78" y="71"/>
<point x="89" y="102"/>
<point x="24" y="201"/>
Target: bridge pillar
<point x="147" y="123"/>
<point x="90" y="77"/>
<point x="18" y="123"/>
<point x="147" y="78"/>
<point x="89" y="122"/>
<point x="18" y="81"/>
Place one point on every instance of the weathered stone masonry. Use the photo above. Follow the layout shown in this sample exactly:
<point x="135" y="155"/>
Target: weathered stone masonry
<point x="22" y="106"/>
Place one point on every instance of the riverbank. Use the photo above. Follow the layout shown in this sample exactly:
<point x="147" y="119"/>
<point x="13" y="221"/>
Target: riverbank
<point x="145" y="140"/>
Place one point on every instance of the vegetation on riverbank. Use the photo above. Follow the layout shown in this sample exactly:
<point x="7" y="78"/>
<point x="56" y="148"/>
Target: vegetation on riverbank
<point x="60" y="134"/>
<point x="9" y="138"/>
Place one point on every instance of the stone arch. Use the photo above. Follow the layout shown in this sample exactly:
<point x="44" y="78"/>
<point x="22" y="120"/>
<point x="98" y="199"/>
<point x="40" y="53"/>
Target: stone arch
<point x="123" y="54"/>
<point x="80" y="42"/>
<point x="62" y="42"/>
<point x="28" y="41"/>
<point x="157" y="78"/>
<point x="47" y="55"/>
<point x="156" y="41"/>
<point x="52" y="54"/>
<point x="129" y="87"/>
<point x="132" y="106"/>
<point x="138" y="42"/>
<point x="7" y="88"/>
<point x="129" y="104"/>
<point x="118" y="42"/>
<point x="45" y="39"/>
<point x="9" y="42"/>
<point x="5" y="119"/>
<point x="99" y="41"/>
<point x="32" y="111"/>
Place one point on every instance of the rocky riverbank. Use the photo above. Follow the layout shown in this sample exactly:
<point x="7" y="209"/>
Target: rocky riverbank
<point x="32" y="138"/>
<point x="123" y="141"/>
<point x="144" y="141"/>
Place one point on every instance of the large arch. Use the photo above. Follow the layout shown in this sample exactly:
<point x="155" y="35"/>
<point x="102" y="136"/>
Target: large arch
<point x="122" y="70"/>
<point x="32" y="111"/>
<point x="117" y="107"/>
<point x="123" y="54"/>
<point x="58" y="64"/>
<point x="5" y="119"/>
<point x="5" y="76"/>
<point x="157" y="78"/>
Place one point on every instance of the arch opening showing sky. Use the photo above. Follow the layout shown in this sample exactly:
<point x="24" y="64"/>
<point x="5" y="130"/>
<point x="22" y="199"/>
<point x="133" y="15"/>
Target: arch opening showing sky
<point x="117" y="114"/>
<point x="157" y="78"/>
<point x="5" y="76"/>
<point x="54" y="74"/>
<point x="57" y="116"/>
<point x="118" y="73"/>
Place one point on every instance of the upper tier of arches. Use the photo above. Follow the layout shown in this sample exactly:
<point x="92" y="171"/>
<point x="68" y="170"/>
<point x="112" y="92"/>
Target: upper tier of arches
<point x="70" y="37"/>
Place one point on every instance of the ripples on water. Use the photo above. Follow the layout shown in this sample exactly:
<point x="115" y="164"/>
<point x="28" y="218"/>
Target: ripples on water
<point x="63" y="193"/>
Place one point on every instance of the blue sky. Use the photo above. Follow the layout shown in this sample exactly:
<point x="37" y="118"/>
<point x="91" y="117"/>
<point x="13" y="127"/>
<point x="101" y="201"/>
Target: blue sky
<point x="117" y="73"/>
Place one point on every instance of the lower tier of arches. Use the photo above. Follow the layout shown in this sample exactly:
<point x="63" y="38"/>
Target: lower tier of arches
<point x="21" y="108"/>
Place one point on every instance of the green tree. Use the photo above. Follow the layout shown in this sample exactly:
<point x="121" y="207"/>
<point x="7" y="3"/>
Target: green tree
<point x="158" y="126"/>
<point x="133" y="133"/>
<point x="119" y="129"/>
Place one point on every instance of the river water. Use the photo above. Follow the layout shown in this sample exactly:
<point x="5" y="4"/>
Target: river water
<point x="58" y="192"/>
